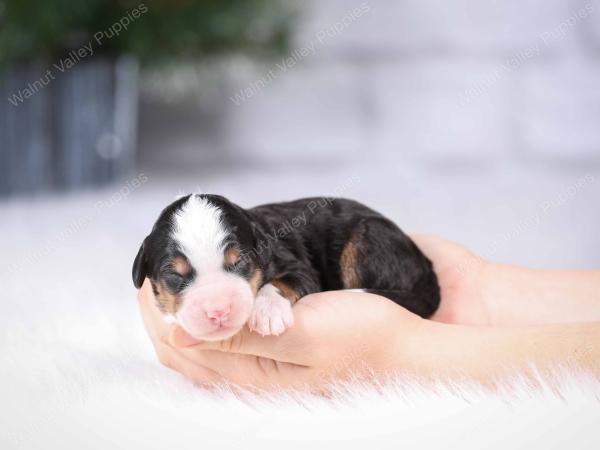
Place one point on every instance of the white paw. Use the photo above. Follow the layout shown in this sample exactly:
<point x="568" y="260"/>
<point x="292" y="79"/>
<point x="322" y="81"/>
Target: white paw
<point x="271" y="314"/>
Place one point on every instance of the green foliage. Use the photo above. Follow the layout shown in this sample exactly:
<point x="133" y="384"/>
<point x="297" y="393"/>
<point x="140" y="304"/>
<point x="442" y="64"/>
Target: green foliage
<point x="159" y="30"/>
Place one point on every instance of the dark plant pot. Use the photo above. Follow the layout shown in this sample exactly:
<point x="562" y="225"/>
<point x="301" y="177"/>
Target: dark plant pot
<point x="77" y="129"/>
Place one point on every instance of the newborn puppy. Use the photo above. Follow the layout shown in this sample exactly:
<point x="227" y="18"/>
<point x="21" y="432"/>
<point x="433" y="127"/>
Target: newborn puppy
<point x="215" y="266"/>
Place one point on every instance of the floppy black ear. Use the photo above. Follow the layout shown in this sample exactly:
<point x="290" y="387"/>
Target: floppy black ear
<point x="140" y="267"/>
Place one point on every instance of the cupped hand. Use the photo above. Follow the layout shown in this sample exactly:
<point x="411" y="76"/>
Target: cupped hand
<point x="339" y="334"/>
<point x="462" y="277"/>
<point x="336" y="335"/>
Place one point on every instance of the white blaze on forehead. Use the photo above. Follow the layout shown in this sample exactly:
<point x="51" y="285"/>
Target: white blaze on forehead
<point x="201" y="234"/>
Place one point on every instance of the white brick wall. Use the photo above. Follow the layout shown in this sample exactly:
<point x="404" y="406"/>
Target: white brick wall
<point x="432" y="80"/>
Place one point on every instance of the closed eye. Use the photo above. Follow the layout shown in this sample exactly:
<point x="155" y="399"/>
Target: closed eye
<point x="174" y="282"/>
<point x="230" y="267"/>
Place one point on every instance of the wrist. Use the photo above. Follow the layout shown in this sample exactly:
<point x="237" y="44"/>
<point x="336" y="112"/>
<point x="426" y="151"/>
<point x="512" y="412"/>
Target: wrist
<point x="512" y="295"/>
<point x="489" y="356"/>
<point x="497" y="281"/>
<point x="447" y="352"/>
<point x="429" y="350"/>
<point x="516" y="296"/>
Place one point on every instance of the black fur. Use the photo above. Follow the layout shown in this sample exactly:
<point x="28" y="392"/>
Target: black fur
<point x="301" y="242"/>
<point x="389" y="263"/>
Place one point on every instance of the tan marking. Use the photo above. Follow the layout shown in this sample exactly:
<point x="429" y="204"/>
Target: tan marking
<point x="166" y="302"/>
<point x="181" y="266"/>
<point x="286" y="290"/>
<point x="232" y="255"/>
<point x="348" y="262"/>
<point x="255" y="280"/>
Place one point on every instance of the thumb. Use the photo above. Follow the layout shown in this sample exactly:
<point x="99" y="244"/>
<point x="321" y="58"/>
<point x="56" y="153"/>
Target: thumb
<point x="179" y="338"/>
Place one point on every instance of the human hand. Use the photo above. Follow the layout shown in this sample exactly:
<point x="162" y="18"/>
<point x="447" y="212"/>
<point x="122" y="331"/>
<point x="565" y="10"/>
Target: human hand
<point x="462" y="277"/>
<point x="339" y="334"/>
<point x="336" y="335"/>
<point x="479" y="292"/>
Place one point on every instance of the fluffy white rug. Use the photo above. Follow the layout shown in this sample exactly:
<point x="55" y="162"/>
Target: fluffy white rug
<point x="82" y="375"/>
<point x="78" y="371"/>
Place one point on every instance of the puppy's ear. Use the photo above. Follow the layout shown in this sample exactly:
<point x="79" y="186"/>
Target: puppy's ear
<point x="140" y="267"/>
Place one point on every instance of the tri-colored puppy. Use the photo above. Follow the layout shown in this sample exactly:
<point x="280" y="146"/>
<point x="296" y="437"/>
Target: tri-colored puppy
<point x="215" y="266"/>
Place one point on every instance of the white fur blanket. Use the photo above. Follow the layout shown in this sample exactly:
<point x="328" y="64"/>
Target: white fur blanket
<point x="78" y="371"/>
<point x="84" y="376"/>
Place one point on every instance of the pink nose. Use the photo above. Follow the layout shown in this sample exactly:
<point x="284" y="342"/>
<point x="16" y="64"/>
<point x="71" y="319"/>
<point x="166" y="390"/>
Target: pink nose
<point x="219" y="315"/>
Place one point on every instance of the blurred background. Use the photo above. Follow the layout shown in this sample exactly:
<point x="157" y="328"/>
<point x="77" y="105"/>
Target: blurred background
<point x="476" y="121"/>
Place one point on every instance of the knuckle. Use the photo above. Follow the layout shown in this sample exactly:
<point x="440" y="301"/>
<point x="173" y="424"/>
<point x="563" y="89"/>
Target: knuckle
<point x="263" y="365"/>
<point x="233" y="344"/>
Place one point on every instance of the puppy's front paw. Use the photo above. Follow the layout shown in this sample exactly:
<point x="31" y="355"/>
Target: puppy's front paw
<point x="272" y="313"/>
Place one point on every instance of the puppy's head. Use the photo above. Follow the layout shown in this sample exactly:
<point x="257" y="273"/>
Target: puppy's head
<point x="202" y="262"/>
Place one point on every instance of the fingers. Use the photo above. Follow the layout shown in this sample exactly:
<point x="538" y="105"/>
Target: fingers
<point x="145" y="291"/>
<point x="208" y="363"/>
<point x="291" y="347"/>
<point x="248" y="370"/>
<point x="172" y="359"/>
<point x="153" y="319"/>
<point x="178" y="338"/>
<point x="209" y="366"/>
<point x="318" y="318"/>
<point x="158" y="331"/>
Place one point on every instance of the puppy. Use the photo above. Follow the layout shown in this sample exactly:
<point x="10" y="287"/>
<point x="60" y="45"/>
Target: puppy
<point x="215" y="266"/>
